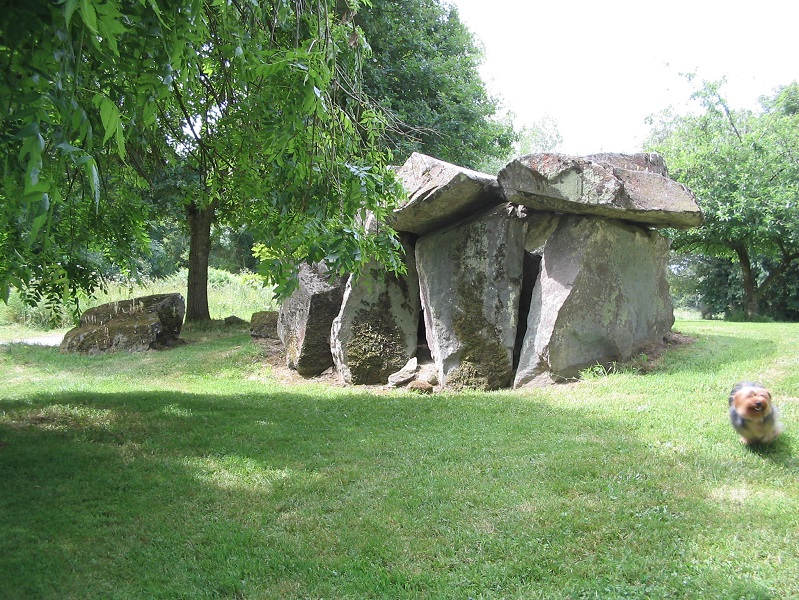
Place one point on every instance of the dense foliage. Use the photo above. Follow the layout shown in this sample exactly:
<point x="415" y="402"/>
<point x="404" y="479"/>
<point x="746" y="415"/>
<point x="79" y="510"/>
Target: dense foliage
<point x="744" y="167"/>
<point x="67" y="94"/>
<point x="423" y="71"/>
<point x="248" y="111"/>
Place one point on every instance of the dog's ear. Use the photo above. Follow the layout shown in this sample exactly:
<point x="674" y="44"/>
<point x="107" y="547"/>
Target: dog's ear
<point x="737" y="388"/>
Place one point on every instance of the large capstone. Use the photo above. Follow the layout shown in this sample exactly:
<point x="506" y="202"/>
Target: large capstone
<point x="440" y="194"/>
<point x="305" y="320"/>
<point x="569" y="184"/>
<point x="376" y="332"/>
<point x="601" y="294"/>
<point x="128" y="325"/>
<point x="642" y="161"/>
<point x="470" y="279"/>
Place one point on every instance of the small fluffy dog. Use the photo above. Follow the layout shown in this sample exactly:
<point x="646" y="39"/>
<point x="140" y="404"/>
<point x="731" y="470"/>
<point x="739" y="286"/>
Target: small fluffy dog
<point x="753" y="415"/>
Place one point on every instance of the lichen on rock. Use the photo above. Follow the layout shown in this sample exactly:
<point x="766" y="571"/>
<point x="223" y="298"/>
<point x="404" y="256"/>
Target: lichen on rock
<point x="374" y="351"/>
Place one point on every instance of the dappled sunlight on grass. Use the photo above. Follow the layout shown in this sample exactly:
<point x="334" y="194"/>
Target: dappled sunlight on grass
<point x="58" y="417"/>
<point x="190" y="473"/>
<point x="241" y="473"/>
<point x="743" y="498"/>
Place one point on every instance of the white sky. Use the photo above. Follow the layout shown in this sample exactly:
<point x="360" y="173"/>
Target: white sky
<point x="600" y="67"/>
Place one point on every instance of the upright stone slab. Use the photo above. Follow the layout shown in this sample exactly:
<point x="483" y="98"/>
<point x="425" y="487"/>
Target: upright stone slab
<point x="568" y="184"/>
<point x="470" y="278"/>
<point x="376" y="332"/>
<point x="601" y="294"/>
<point x="440" y="194"/>
<point x="305" y="319"/>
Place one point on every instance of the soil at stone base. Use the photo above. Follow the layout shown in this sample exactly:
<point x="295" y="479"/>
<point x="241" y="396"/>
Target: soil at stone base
<point x="654" y="352"/>
<point x="275" y="356"/>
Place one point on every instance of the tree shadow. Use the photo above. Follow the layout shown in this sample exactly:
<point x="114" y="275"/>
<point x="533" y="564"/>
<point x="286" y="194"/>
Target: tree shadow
<point x="294" y="494"/>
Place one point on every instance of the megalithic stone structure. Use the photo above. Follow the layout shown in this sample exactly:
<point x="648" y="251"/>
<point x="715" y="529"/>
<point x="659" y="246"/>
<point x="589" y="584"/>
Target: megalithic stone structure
<point x="524" y="278"/>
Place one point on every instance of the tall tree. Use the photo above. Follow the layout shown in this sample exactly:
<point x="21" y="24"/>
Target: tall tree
<point x="744" y="167"/>
<point x="424" y="71"/>
<point x="253" y="98"/>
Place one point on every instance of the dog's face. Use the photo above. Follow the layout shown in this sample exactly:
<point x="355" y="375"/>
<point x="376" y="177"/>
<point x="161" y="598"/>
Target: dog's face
<point x="751" y="402"/>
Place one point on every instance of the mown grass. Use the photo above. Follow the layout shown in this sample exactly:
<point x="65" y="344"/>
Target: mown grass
<point x="193" y="473"/>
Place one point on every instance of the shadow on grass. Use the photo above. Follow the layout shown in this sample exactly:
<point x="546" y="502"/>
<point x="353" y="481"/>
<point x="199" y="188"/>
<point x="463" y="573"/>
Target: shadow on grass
<point x="780" y="451"/>
<point x="290" y="494"/>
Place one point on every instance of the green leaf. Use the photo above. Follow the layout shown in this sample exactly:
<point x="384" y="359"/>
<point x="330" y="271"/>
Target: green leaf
<point x="69" y="9"/>
<point x="89" y="15"/>
<point x="109" y="114"/>
<point x="90" y="169"/>
<point x="67" y="148"/>
<point x="120" y="137"/>
<point x="157" y="11"/>
<point x="29" y="130"/>
<point x="36" y="226"/>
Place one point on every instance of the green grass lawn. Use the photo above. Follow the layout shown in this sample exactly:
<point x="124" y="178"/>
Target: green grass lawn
<point x="193" y="473"/>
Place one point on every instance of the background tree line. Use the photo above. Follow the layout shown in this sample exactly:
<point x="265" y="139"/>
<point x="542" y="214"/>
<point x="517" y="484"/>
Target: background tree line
<point x="141" y="136"/>
<point x="743" y="165"/>
<point x="127" y="123"/>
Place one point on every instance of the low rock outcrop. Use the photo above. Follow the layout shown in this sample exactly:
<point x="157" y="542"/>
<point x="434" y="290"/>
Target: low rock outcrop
<point x="133" y="325"/>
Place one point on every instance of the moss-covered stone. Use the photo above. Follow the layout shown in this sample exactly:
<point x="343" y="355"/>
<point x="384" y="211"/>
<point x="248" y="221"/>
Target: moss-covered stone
<point x="128" y="325"/>
<point x="467" y="376"/>
<point x="263" y="324"/>
<point x="376" y="348"/>
<point x="169" y="307"/>
<point x="135" y="332"/>
<point x="472" y="277"/>
<point x="486" y="363"/>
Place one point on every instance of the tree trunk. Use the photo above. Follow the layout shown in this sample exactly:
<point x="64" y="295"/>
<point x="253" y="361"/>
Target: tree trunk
<point x="751" y="296"/>
<point x="200" y="220"/>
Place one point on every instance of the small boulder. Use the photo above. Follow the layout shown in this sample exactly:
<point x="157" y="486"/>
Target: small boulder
<point x="405" y="374"/>
<point x="263" y="324"/>
<point x="423" y="387"/>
